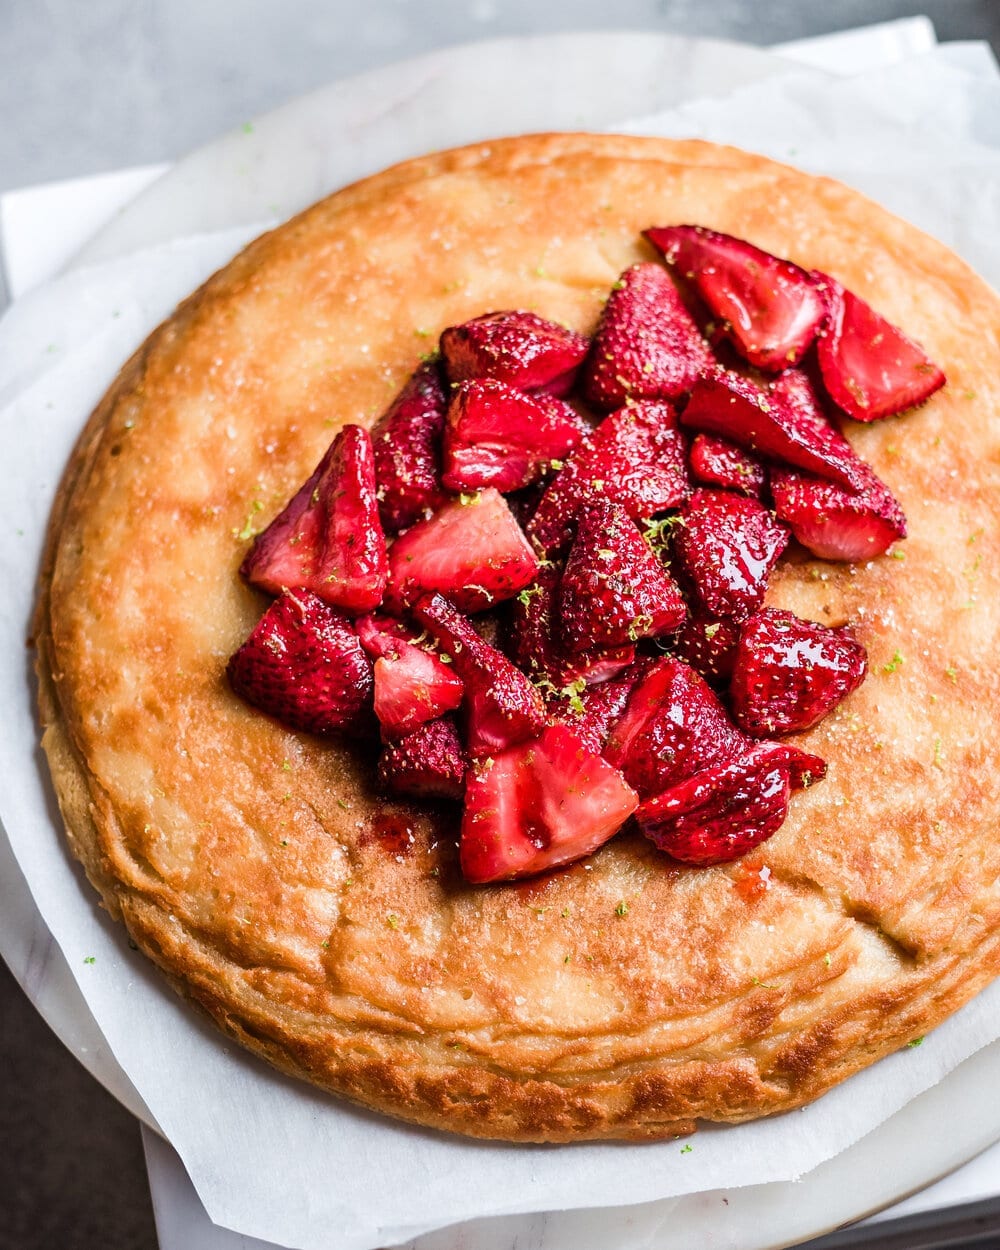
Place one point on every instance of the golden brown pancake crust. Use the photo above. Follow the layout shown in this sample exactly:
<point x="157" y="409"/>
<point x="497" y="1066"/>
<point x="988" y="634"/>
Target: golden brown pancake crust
<point x="256" y="866"/>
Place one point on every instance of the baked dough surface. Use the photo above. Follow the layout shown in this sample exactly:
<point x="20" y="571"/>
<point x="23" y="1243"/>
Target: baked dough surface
<point x="256" y="865"/>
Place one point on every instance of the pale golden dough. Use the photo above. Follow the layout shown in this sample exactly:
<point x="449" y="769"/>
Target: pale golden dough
<point x="241" y="856"/>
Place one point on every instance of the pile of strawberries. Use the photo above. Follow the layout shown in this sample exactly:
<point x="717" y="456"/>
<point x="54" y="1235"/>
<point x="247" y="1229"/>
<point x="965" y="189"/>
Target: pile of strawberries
<point x="609" y="512"/>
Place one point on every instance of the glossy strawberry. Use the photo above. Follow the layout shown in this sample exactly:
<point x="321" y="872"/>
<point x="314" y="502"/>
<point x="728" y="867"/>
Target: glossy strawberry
<point x="673" y="726"/>
<point x="407" y="446"/>
<point x="472" y="550"/>
<point x="305" y="666"/>
<point x="613" y="589"/>
<point x="636" y="457"/>
<point x="718" y="462"/>
<point x="412" y="685"/>
<point x="837" y="524"/>
<point x="728" y="808"/>
<point x="517" y="347"/>
<point x="870" y="368"/>
<point x="502" y="707"/>
<point x="647" y="344"/>
<point x="727" y="545"/>
<point x="768" y="308"/>
<point x="498" y="436"/>
<point x="769" y="423"/>
<point x="538" y="805"/>
<point x="708" y="644"/>
<point x="789" y="673"/>
<point x="429" y="763"/>
<point x="328" y="539"/>
<point x="593" y="711"/>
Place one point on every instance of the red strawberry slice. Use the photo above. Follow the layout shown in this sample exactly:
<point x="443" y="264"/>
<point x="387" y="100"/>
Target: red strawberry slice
<point x="497" y="436"/>
<point x="870" y="368"/>
<point x="305" y="666"/>
<point x="502" y="707"/>
<point x="429" y="763"/>
<point x="594" y="711"/>
<point x="708" y="644"/>
<point x="789" y="673"/>
<point x="728" y="545"/>
<point x="614" y="591"/>
<point x="769" y="308"/>
<point x="538" y="805"/>
<point x="519" y="348"/>
<point x="636" y="457"/>
<point x="776" y="424"/>
<point x="411" y="684"/>
<point x="719" y="462"/>
<point x="647" y="344"/>
<point x="727" y="809"/>
<point x="536" y="645"/>
<point x="472" y="550"/>
<point x="837" y="524"/>
<point x="673" y="726"/>
<point x="407" y="444"/>
<point x="328" y="539"/>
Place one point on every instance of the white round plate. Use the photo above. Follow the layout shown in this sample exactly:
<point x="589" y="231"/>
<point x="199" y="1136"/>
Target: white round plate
<point x="276" y="166"/>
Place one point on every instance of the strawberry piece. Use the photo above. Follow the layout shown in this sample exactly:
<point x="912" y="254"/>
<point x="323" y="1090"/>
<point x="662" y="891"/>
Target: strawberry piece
<point x="870" y="368"/>
<point x="727" y="809"/>
<point x="411" y="684"/>
<point x="776" y="424"/>
<point x="728" y="545"/>
<point x="406" y="443"/>
<point x="536" y="646"/>
<point x="328" y="539"/>
<point x="429" y="763"/>
<point x="519" y="348"/>
<point x="613" y="589"/>
<point x="472" y="550"/>
<point x="789" y="672"/>
<point x="502" y="707"/>
<point x="770" y="309"/>
<point x="594" y="711"/>
<point x="497" y="436"/>
<point x="538" y="805"/>
<point x="647" y="344"/>
<point x="719" y="462"/>
<point x="708" y="644"/>
<point x="673" y="725"/>
<point x="837" y="524"/>
<point x="304" y="665"/>
<point x="636" y="457"/>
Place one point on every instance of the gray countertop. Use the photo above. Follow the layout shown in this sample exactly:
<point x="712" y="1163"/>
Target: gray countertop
<point x="93" y="86"/>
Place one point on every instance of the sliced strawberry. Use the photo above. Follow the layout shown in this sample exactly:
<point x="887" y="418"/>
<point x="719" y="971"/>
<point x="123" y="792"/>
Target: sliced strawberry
<point x="407" y="445"/>
<point x="636" y="457"/>
<point x="536" y="645"/>
<point x="837" y="524"/>
<point x="595" y="710"/>
<point x="719" y="462"/>
<point x="770" y="423"/>
<point x="502" y="707"/>
<point x="614" y="591"/>
<point x="519" y="348"/>
<point x="673" y="726"/>
<point x="769" y="308"/>
<point x="472" y="550"/>
<point x="647" y="344"/>
<point x="538" y="805"/>
<point x="429" y="763"/>
<point x="789" y="672"/>
<point x="328" y="539"/>
<point x="728" y="545"/>
<point x="728" y="808"/>
<point x="305" y="666"/>
<point x="708" y="644"/>
<point x="498" y="436"/>
<point x="411" y="684"/>
<point x="870" y="368"/>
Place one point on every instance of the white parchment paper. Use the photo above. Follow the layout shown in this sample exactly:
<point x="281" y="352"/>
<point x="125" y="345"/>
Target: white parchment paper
<point x="268" y="1156"/>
